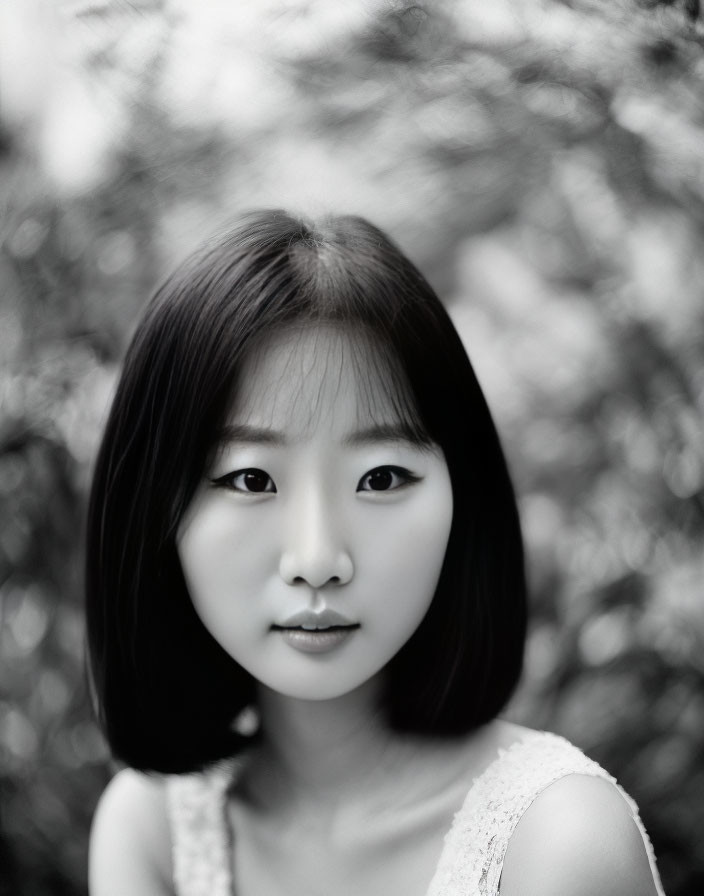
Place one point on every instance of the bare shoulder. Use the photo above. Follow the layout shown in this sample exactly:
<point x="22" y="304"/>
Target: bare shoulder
<point x="130" y="845"/>
<point x="577" y="838"/>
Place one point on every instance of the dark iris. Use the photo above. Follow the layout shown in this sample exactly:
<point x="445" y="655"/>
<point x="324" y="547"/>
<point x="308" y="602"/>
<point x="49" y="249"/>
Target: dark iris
<point x="256" y="480"/>
<point x="380" y="480"/>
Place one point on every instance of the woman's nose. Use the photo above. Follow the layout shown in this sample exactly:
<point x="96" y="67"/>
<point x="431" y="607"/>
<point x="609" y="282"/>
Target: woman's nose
<point x="314" y="552"/>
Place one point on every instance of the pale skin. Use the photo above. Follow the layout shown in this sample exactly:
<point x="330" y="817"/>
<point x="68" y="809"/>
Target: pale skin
<point x="333" y="802"/>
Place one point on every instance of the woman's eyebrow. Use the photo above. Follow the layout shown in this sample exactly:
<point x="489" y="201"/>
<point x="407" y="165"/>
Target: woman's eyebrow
<point x="384" y="432"/>
<point x="243" y="432"/>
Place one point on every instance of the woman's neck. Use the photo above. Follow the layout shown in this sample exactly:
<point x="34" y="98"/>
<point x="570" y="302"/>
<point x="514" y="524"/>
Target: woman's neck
<point x="325" y="749"/>
<point x="332" y="753"/>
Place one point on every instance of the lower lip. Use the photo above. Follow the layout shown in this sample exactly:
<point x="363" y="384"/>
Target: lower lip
<point x="321" y="641"/>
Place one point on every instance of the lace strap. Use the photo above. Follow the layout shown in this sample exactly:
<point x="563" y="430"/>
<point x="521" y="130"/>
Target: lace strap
<point x="476" y="843"/>
<point x="199" y="833"/>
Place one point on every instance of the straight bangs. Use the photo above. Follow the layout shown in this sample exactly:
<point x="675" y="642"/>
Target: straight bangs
<point x="384" y="396"/>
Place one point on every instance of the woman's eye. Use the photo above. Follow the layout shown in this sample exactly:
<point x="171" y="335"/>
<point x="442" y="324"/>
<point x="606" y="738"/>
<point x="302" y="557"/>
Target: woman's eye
<point x="384" y="479"/>
<point x="252" y="481"/>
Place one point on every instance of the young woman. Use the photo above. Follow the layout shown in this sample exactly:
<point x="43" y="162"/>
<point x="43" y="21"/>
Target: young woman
<point x="306" y="600"/>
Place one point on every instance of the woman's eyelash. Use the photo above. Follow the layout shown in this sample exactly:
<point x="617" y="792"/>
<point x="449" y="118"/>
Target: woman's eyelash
<point x="251" y="481"/>
<point x="386" y="478"/>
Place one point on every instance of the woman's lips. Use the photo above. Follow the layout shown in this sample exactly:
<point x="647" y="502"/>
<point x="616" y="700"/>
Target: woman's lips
<point x="315" y="631"/>
<point x="319" y="640"/>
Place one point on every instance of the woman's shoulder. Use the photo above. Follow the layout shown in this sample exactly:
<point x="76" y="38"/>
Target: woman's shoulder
<point x="580" y="833"/>
<point x="578" y="837"/>
<point x="130" y="846"/>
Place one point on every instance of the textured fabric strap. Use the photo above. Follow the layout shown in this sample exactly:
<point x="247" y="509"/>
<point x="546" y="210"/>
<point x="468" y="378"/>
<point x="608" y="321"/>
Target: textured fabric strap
<point x="199" y="833"/>
<point x="475" y="845"/>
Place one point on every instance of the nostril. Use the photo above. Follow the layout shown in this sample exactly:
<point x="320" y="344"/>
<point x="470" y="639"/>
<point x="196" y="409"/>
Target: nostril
<point x="301" y="580"/>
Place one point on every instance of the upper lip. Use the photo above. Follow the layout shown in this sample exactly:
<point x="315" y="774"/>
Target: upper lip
<point x="308" y="619"/>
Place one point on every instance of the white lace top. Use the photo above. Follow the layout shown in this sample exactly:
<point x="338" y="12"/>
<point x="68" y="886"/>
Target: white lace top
<point x="473" y="853"/>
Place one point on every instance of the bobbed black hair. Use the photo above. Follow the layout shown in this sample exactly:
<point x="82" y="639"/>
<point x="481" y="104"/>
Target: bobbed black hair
<point x="166" y="692"/>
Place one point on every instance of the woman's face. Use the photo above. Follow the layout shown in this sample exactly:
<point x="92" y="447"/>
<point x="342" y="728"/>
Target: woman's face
<point x="313" y="547"/>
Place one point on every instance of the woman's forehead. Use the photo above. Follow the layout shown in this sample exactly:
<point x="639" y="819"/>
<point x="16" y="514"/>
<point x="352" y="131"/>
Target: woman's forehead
<point x="298" y="377"/>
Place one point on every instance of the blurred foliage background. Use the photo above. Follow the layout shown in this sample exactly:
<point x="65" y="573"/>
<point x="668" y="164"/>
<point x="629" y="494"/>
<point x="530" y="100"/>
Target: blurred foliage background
<point x="543" y="162"/>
